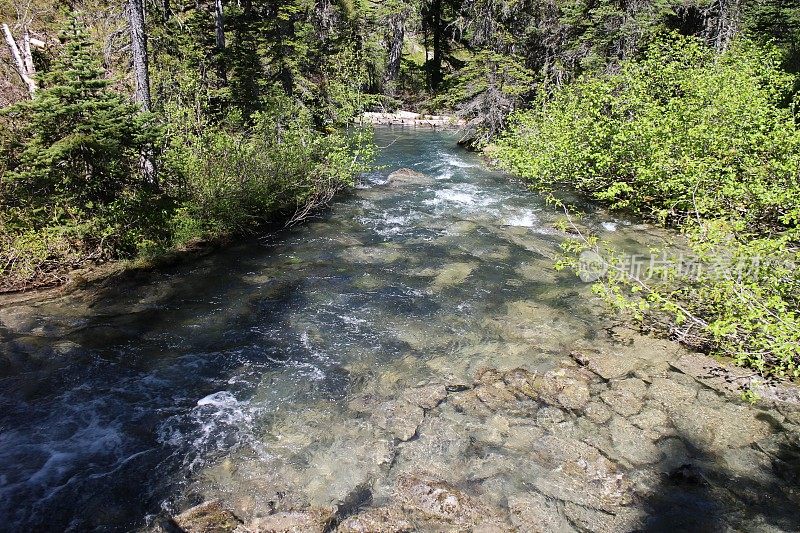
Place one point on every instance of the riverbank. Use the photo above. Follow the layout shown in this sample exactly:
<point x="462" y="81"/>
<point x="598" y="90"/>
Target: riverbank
<point x="685" y="160"/>
<point x="408" y="118"/>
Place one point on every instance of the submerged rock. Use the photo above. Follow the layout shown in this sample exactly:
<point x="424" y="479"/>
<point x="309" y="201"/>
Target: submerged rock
<point x="731" y="380"/>
<point x="452" y="274"/>
<point x="632" y="443"/>
<point x="621" y="520"/>
<point x="579" y="473"/>
<point x="566" y="387"/>
<point x="442" y="501"/>
<point x="608" y="366"/>
<point x="626" y="396"/>
<point x="499" y="391"/>
<point x="377" y="520"/>
<point x="315" y="520"/>
<point x="534" y="513"/>
<point x="427" y="397"/>
<point x="406" y="176"/>
<point x="400" y="418"/>
<point x="208" y="517"/>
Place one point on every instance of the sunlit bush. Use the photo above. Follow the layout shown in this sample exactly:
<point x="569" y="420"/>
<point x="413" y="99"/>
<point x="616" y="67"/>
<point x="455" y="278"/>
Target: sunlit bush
<point x="697" y="140"/>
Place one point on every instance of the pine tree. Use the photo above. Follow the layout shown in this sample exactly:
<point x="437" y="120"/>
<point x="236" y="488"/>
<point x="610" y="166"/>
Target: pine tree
<point x="81" y="141"/>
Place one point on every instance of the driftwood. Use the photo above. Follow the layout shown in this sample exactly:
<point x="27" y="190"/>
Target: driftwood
<point x="23" y="59"/>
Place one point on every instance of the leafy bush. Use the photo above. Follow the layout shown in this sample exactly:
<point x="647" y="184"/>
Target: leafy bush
<point x="697" y="140"/>
<point x="281" y="170"/>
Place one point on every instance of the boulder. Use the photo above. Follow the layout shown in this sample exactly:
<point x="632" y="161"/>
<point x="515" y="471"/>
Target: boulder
<point x="208" y="517"/>
<point x="406" y="176"/>
<point x="399" y="417"/>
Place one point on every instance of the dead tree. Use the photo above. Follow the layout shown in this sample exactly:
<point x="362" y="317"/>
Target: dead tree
<point x="23" y="59"/>
<point x="395" y="38"/>
<point x="219" y="31"/>
<point x="139" y="52"/>
<point x="141" y="76"/>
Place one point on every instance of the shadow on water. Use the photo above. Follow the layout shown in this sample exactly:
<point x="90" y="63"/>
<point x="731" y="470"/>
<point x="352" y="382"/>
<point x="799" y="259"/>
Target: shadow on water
<point x="99" y="393"/>
<point x="739" y="489"/>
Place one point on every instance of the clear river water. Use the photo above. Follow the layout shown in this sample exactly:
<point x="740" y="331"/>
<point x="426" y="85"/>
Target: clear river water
<point x="288" y="372"/>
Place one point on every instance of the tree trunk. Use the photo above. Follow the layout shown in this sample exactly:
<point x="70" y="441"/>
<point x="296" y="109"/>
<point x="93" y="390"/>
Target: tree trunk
<point x="727" y="24"/>
<point x="397" y="30"/>
<point x="438" y="31"/>
<point x="23" y="60"/>
<point x="219" y="32"/>
<point x="139" y="50"/>
<point x="141" y="75"/>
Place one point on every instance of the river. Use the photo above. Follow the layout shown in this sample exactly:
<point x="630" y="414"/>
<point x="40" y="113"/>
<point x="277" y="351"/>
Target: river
<point x="289" y="372"/>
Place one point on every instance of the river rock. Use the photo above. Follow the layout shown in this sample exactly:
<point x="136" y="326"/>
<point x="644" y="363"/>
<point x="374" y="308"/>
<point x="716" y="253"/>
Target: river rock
<point x="452" y="274"/>
<point x="208" y="517"/>
<point x="548" y="417"/>
<point x="315" y="520"/>
<point x="534" y="513"/>
<point x="632" y="443"/>
<point x="651" y="419"/>
<point x="426" y="397"/>
<point x="579" y="473"/>
<point x="400" y="418"/>
<point x="510" y="391"/>
<point x="608" y="365"/>
<point x="390" y="519"/>
<point x="622" y="520"/>
<point x="732" y="380"/>
<point x="406" y="176"/>
<point x="670" y="394"/>
<point x="565" y="387"/>
<point x="522" y="383"/>
<point x="625" y="397"/>
<point x="597" y="412"/>
<point x="440" y="500"/>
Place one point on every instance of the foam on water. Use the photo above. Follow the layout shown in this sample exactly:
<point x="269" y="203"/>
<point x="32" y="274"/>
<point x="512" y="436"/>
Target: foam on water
<point x="609" y="226"/>
<point x="525" y="218"/>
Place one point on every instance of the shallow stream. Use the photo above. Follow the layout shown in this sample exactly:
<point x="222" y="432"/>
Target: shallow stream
<point x="321" y="365"/>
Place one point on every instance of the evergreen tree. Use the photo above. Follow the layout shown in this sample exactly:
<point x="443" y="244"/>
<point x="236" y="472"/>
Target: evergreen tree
<point x="81" y="141"/>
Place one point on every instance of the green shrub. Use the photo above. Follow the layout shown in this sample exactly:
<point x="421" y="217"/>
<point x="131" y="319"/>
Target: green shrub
<point x="697" y="140"/>
<point x="232" y="182"/>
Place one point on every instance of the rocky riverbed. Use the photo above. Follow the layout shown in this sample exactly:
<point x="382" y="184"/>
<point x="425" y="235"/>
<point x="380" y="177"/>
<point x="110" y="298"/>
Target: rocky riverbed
<point x="615" y="437"/>
<point x="412" y="362"/>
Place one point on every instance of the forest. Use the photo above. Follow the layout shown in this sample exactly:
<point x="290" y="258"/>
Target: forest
<point x="132" y="129"/>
